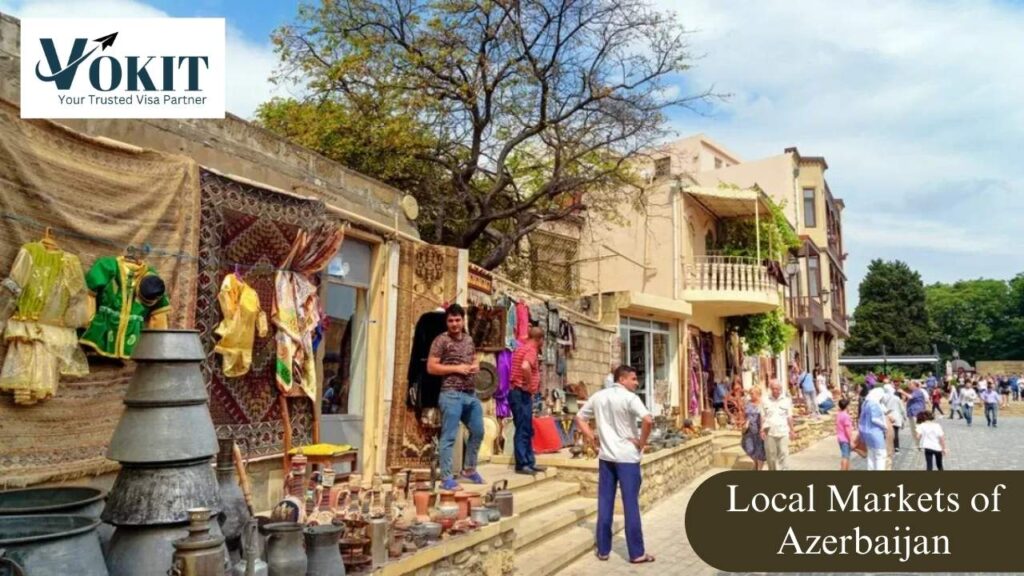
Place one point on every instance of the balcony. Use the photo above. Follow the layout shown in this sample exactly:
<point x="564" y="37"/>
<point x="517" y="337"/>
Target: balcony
<point x="807" y="312"/>
<point x="838" y="321"/>
<point x="730" y="285"/>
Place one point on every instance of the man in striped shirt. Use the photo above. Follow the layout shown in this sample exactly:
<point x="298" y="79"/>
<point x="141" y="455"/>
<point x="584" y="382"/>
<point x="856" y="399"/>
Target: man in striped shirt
<point x="525" y="383"/>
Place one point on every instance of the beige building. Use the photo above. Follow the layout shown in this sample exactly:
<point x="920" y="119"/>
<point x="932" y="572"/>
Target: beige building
<point x="667" y="283"/>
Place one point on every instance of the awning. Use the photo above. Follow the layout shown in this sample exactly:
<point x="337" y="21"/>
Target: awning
<point x="728" y="202"/>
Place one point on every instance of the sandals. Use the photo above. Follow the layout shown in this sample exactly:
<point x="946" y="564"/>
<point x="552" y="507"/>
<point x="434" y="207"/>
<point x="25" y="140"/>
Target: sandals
<point x="601" y="558"/>
<point x="643" y="559"/>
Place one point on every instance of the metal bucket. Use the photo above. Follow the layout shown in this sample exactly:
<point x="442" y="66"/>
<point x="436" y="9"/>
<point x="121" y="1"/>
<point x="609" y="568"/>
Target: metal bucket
<point x="46" y="545"/>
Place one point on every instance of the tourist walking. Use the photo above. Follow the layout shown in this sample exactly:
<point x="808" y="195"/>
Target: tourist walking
<point x="967" y="399"/>
<point x="932" y="439"/>
<point x="1004" y="391"/>
<point x="893" y="408"/>
<point x="525" y="382"/>
<point x="991" y="399"/>
<point x="845" y="434"/>
<point x="937" y="401"/>
<point x="872" y="427"/>
<point x="808" y="393"/>
<point x="917" y="402"/>
<point x="777" y="426"/>
<point x="753" y="444"/>
<point x="617" y="410"/>
<point x="954" y="401"/>
<point x="453" y="356"/>
<point x="823" y="399"/>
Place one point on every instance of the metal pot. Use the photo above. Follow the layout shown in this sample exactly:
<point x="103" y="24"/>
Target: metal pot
<point x="322" y="552"/>
<point x="493" y="514"/>
<point x="42" y="545"/>
<point x="161" y="494"/>
<point x="481" y="516"/>
<point x="146" y="550"/>
<point x="165" y="397"/>
<point x="285" y="554"/>
<point x="502" y="498"/>
<point x="70" y="500"/>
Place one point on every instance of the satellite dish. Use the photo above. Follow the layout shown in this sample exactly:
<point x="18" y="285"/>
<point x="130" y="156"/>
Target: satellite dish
<point x="410" y="207"/>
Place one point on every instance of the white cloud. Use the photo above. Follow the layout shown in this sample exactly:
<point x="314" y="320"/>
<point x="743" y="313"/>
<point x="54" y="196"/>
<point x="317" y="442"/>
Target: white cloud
<point x="250" y="63"/>
<point x="915" y="104"/>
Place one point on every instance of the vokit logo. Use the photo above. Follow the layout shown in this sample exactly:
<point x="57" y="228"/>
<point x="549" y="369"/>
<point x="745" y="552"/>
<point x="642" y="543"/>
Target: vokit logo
<point x="144" y="68"/>
<point x="137" y="76"/>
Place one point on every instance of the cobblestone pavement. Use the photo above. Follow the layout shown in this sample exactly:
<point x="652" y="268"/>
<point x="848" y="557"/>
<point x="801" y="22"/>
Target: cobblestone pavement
<point x="974" y="448"/>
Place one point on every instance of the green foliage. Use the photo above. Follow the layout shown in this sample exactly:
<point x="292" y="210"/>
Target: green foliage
<point x="892" y="312"/>
<point x="982" y="319"/>
<point x="739" y="235"/>
<point x="499" y="117"/>
<point x="764" y="333"/>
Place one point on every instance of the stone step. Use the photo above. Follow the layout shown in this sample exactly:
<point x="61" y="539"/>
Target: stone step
<point x="538" y="498"/>
<point x="545" y="523"/>
<point x="571" y="543"/>
<point x="516" y="482"/>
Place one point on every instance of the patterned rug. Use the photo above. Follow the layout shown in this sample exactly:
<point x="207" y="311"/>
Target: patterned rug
<point x="254" y="228"/>
<point x="427" y="277"/>
<point x="98" y="198"/>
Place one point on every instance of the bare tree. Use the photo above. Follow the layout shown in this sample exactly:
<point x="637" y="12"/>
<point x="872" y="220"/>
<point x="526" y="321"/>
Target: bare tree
<point x="534" y="110"/>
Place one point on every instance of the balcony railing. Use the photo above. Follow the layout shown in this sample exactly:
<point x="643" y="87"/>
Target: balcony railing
<point x="839" y="317"/>
<point x="807" y="311"/>
<point x="728" y="273"/>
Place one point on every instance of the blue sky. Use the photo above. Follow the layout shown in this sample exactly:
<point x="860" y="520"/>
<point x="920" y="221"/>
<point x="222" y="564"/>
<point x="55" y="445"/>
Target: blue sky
<point x="916" y="105"/>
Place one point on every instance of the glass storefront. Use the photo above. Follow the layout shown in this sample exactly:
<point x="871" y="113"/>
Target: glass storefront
<point x="646" y="347"/>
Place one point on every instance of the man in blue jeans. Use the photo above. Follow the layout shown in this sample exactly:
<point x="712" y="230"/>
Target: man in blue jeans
<point x="453" y="357"/>
<point x="617" y="410"/>
<point x="525" y="383"/>
<point x="991" y="399"/>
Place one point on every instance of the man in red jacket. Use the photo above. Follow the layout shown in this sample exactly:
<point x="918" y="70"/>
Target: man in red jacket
<point x="525" y="383"/>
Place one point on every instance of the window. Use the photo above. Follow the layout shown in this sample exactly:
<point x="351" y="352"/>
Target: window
<point x="345" y="342"/>
<point x="663" y="167"/>
<point x="810" y="215"/>
<point x="553" y="267"/>
<point x="718" y="163"/>
<point x="813" y="276"/>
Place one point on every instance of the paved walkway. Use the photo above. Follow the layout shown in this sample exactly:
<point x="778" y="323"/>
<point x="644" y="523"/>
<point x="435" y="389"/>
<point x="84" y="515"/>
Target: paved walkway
<point x="975" y="448"/>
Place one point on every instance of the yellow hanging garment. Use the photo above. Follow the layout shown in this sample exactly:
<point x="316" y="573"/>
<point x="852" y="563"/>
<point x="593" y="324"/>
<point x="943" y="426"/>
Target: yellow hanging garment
<point x="243" y="318"/>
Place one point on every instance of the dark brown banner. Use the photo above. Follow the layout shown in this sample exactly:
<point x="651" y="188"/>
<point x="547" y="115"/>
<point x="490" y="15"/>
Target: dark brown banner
<point x="859" y="522"/>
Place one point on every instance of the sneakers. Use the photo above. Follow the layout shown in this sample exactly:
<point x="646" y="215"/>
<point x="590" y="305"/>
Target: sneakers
<point x="473" y="477"/>
<point x="451" y="485"/>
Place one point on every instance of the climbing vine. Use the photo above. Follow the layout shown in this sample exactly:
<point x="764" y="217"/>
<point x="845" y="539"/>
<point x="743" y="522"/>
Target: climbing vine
<point x="738" y="236"/>
<point x="764" y="333"/>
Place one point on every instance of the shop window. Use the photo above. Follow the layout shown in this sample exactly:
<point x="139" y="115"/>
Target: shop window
<point x="345" y="341"/>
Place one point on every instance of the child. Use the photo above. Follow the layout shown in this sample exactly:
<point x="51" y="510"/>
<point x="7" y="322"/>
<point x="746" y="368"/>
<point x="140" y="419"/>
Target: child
<point x="931" y="439"/>
<point x="937" y="401"/>
<point x="844" y="434"/>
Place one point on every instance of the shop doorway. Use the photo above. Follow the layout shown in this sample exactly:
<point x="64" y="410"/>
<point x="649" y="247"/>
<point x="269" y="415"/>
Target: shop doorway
<point x="347" y="306"/>
<point x="645" y="347"/>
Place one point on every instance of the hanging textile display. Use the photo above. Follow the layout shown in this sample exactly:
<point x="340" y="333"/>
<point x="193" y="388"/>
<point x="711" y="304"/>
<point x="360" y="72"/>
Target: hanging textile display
<point x="486" y="325"/>
<point x="256" y="229"/>
<point x="243" y="319"/>
<point x="501" y="405"/>
<point x="424" y="388"/>
<point x="47" y="288"/>
<point x="429" y="277"/>
<point x="296" y="316"/>
<point x="97" y="196"/>
<point x="511" y="322"/>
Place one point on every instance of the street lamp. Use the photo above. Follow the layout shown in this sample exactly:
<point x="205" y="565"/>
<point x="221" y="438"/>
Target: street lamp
<point x="792" y="267"/>
<point x="825" y="296"/>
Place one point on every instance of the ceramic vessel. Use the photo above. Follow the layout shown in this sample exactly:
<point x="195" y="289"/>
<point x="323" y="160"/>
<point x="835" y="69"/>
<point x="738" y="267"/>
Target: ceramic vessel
<point x="421" y="500"/>
<point x="285" y="554"/>
<point x="51" y="544"/>
<point x="462" y="499"/>
<point x="481" y="516"/>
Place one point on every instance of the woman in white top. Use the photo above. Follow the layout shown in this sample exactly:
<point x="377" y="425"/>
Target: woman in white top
<point x="954" y="401"/>
<point x="967" y="399"/>
<point x="931" y="438"/>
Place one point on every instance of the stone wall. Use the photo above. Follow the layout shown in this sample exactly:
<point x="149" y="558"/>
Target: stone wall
<point x="596" y="350"/>
<point x="489" y="551"/>
<point x="664" y="472"/>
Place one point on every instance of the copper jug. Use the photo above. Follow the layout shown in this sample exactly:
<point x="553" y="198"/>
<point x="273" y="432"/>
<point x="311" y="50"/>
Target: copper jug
<point x="200" y="553"/>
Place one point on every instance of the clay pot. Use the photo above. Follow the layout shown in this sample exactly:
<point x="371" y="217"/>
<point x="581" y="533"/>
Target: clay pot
<point x="475" y="501"/>
<point x="462" y="500"/>
<point x="447" y="506"/>
<point x="421" y="499"/>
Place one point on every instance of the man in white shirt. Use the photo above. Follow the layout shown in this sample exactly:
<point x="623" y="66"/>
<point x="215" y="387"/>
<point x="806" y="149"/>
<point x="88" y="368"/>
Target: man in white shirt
<point x="617" y="410"/>
<point x="777" y="427"/>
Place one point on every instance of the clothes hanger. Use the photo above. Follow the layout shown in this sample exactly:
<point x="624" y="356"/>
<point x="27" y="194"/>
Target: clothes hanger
<point x="48" y="242"/>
